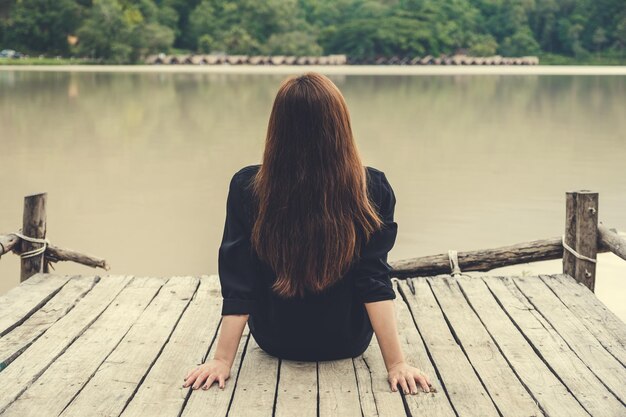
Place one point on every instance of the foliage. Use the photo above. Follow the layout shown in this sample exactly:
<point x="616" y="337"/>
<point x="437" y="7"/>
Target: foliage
<point x="124" y="31"/>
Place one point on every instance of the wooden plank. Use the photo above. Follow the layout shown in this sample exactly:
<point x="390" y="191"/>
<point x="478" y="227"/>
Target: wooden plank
<point x="60" y="383"/>
<point x="33" y="225"/>
<point x="22" y="301"/>
<point x="215" y="399"/>
<point x="339" y="395"/>
<point x="506" y="390"/>
<point x="24" y="370"/>
<point x="586" y="237"/>
<point x="578" y="338"/>
<point x="463" y="386"/>
<point x="256" y="383"/>
<point x="551" y="395"/>
<point x="161" y="392"/>
<point x="432" y="404"/>
<point x="115" y="381"/>
<point x="594" y="315"/>
<point x="581" y="382"/>
<point x="297" y="389"/>
<point x="482" y="259"/>
<point x="16" y="341"/>
<point x="375" y="393"/>
<point x="569" y="260"/>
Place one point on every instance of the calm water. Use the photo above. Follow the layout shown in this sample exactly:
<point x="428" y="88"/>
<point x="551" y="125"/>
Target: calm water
<point x="137" y="165"/>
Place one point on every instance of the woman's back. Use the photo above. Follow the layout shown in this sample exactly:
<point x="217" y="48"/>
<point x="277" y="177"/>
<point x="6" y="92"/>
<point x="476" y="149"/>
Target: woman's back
<point x="329" y="325"/>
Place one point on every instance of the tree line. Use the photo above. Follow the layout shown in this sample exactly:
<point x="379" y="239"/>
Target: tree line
<point x="125" y="31"/>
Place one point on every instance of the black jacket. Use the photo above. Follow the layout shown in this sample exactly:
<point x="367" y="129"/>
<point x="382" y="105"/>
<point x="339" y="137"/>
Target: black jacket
<point x="327" y="326"/>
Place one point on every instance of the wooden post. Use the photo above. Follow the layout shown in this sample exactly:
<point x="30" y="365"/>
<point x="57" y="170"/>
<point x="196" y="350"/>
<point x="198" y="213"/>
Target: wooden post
<point x="581" y="234"/>
<point x="33" y="225"/>
<point x="569" y="260"/>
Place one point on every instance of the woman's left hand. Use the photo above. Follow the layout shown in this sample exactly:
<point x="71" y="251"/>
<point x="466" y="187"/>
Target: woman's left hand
<point x="408" y="377"/>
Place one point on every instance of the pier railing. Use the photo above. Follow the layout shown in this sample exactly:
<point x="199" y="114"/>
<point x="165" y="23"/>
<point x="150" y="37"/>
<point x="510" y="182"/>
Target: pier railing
<point x="34" y="248"/>
<point x="583" y="239"/>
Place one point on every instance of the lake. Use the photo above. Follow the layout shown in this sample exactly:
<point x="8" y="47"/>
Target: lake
<point x="136" y="162"/>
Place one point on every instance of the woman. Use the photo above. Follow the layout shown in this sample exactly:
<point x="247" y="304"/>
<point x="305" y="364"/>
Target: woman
<point x="303" y="259"/>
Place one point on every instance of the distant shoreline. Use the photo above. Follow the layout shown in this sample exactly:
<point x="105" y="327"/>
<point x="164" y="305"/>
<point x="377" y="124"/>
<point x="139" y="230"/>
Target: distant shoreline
<point x="333" y="69"/>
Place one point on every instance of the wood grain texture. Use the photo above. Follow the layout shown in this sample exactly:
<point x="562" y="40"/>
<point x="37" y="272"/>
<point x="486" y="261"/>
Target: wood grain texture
<point x="584" y="344"/>
<point x="466" y="392"/>
<point x="67" y="375"/>
<point x="17" y="340"/>
<point x="586" y="237"/>
<point x="375" y="393"/>
<point x="545" y="387"/>
<point x="297" y="389"/>
<point x="33" y="225"/>
<point x="609" y="329"/>
<point x="117" y="378"/>
<point x="434" y="404"/>
<point x="506" y="390"/>
<point x="215" y="399"/>
<point x="256" y="383"/>
<point x="22" y="301"/>
<point x="488" y="345"/>
<point x="482" y="259"/>
<point x="27" y="367"/>
<point x="161" y="393"/>
<point x="339" y="395"/>
<point x="573" y="373"/>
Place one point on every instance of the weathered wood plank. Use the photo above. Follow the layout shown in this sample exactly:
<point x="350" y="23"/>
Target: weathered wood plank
<point x="33" y="225"/>
<point x="115" y="381"/>
<point x="578" y="338"/>
<point x="551" y="395"/>
<point x="506" y="390"/>
<point x="594" y="315"/>
<point x="161" y="392"/>
<point x="463" y="386"/>
<point x="256" y="383"/>
<point x="432" y="404"/>
<point x="16" y="341"/>
<point x="27" y="367"/>
<point x="581" y="382"/>
<point x="66" y="376"/>
<point x="480" y="260"/>
<point x="339" y="395"/>
<point x="375" y="393"/>
<point x="22" y="301"/>
<point x="297" y="389"/>
<point x="215" y="399"/>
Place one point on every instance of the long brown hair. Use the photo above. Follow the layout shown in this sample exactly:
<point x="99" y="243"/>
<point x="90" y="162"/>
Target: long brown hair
<point x="314" y="211"/>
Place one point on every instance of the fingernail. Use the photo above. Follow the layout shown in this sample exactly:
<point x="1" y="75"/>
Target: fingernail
<point x="425" y="390"/>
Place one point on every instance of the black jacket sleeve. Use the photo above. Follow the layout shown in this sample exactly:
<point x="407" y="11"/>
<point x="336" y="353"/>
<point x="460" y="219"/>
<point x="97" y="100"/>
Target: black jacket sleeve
<point x="237" y="269"/>
<point x="372" y="281"/>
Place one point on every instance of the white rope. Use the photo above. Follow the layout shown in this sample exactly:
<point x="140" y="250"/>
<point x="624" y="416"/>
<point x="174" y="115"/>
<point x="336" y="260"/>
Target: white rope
<point x="37" y="251"/>
<point x="454" y="263"/>
<point x="576" y="254"/>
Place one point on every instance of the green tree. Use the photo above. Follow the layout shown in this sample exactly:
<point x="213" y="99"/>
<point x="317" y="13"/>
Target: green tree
<point x="42" y="26"/>
<point x="520" y="43"/>
<point x="292" y="43"/>
<point x="106" y="33"/>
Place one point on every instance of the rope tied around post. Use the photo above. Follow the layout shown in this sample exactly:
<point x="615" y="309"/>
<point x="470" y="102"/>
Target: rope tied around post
<point x="454" y="263"/>
<point x="576" y="254"/>
<point x="37" y="251"/>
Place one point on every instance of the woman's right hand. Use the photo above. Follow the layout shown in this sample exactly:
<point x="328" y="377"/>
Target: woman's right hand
<point x="207" y="373"/>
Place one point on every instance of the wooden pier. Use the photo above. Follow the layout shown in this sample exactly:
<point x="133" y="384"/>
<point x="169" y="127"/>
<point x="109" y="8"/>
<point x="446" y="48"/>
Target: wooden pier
<point x="492" y="346"/>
